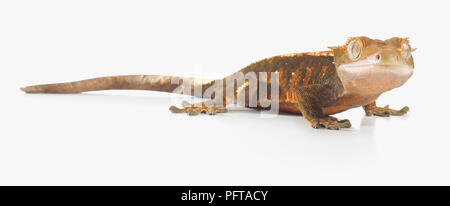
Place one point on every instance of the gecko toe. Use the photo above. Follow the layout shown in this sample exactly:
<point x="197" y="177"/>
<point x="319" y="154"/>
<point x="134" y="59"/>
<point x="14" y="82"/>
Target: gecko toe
<point x="215" y="109"/>
<point x="192" y="112"/>
<point x="404" y="110"/>
<point x="175" y="109"/>
<point x="345" y="123"/>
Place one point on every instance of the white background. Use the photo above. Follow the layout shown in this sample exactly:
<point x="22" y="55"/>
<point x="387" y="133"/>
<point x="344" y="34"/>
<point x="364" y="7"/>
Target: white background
<point x="130" y="137"/>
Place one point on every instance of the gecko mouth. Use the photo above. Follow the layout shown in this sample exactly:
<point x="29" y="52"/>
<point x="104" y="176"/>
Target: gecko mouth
<point x="373" y="78"/>
<point x="393" y="69"/>
<point x="377" y="65"/>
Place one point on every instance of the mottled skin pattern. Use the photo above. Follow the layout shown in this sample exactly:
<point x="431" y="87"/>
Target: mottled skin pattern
<point x="300" y="71"/>
<point x="315" y="84"/>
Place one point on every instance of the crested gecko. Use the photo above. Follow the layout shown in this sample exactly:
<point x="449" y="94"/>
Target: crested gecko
<point x="314" y="84"/>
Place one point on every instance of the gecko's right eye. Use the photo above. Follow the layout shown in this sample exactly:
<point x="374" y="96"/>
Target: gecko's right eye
<point x="354" y="50"/>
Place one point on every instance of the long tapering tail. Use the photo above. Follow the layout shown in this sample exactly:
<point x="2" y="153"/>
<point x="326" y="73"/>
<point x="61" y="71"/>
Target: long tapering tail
<point x="130" y="82"/>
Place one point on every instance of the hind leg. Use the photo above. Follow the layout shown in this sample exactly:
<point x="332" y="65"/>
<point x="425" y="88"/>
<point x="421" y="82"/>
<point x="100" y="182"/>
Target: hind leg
<point x="208" y="107"/>
<point x="218" y="101"/>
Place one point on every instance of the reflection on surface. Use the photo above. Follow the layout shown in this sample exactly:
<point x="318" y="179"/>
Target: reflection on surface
<point x="324" y="150"/>
<point x="286" y="141"/>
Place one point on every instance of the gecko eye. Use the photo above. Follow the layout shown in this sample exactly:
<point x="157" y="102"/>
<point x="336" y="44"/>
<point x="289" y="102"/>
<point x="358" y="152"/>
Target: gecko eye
<point x="406" y="51"/>
<point x="354" y="50"/>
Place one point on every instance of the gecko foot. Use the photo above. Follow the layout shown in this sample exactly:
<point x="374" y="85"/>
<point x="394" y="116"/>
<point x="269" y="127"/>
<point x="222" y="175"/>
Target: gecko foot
<point x="385" y="111"/>
<point x="330" y="122"/>
<point x="195" y="109"/>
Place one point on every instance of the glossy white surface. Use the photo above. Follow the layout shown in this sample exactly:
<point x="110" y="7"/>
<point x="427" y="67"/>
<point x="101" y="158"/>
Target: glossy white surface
<point x="130" y="137"/>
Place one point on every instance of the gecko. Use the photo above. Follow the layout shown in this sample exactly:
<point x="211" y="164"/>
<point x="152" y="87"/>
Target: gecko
<point x="314" y="85"/>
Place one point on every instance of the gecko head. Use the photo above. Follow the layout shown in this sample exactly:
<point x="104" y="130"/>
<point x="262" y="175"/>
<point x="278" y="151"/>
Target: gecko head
<point x="372" y="66"/>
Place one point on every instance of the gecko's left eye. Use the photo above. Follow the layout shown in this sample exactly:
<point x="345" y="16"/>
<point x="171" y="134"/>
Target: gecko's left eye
<point x="406" y="51"/>
<point x="354" y="50"/>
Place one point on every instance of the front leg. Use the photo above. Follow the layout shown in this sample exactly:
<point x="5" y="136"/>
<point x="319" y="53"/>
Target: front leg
<point x="372" y="109"/>
<point x="309" y="102"/>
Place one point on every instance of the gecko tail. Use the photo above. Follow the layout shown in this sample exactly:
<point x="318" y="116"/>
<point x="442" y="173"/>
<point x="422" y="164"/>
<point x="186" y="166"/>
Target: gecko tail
<point x="128" y="82"/>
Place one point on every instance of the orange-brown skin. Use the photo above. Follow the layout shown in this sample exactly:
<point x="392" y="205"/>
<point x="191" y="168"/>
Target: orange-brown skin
<point x="315" y="84"/>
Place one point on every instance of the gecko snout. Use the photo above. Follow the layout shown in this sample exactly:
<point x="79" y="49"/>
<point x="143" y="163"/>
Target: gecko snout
<point x="388" y="57"/>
